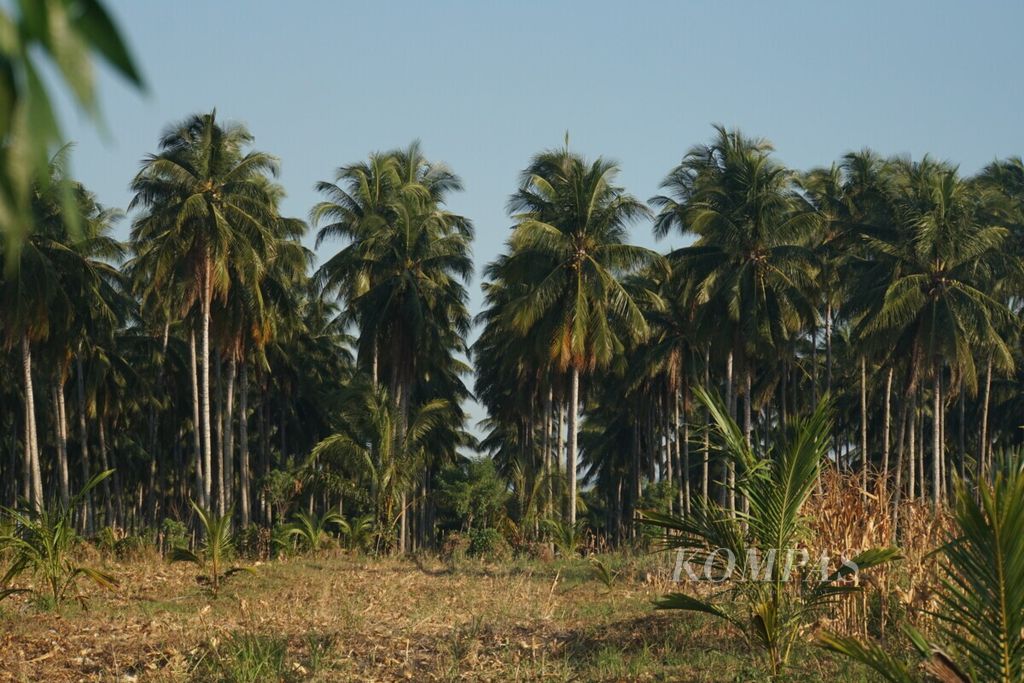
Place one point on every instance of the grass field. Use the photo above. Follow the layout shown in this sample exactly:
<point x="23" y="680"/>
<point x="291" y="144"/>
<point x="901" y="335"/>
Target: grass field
<point x="338" y="618"/>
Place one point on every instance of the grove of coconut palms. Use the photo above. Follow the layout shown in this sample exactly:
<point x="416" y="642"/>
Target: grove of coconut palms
<point x="665" y="352"/>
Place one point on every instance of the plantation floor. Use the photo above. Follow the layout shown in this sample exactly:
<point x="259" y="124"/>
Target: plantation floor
<point x="340" y="618"/>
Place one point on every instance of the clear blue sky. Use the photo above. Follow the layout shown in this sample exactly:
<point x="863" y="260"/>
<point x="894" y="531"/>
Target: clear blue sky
<point x="485" y="85"/>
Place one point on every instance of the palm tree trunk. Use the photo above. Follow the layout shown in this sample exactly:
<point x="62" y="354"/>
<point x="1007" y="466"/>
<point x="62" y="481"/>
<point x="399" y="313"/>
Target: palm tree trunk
<point x="705" y="482"/>
<point x="59" y="424"/>
<point x="885" y="431"/>
<point x="218" y="445"/>
<point x="748" y="422"/>
<point x="828" y="348"/>
<point x="574" y="403"/>
<point x="814" y="364"/>
<point x="983" y="445"/>
<point x="669" y="474"/>
<point x="83" y="437"/>
<point x="204" y="386"/>
<point x="105" y="464"/>
<point x="562" y="455"/>
<point x="730" y="404"/>
<point x="202" y="492"/>
<point x="897" y="486"/>
<point x="229" y="434"/>
<point x="31" y="441"/>
<point x="864" y="423"/>
<point x="243" y="445"/>
<point x="922" y="474"/>
<point x="682" y="451"/>
<point x="548" y="486"/>
<point x="937" y="437"/>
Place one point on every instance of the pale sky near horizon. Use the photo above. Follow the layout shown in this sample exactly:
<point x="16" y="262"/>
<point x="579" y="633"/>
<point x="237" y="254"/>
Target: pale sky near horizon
<point x="484" y="85"/>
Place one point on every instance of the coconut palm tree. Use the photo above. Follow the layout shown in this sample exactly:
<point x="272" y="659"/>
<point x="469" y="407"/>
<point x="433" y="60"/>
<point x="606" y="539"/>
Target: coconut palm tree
<point x="204" y="204"/>
<point x="751" y="267"/>
<point x="566" y="254"/>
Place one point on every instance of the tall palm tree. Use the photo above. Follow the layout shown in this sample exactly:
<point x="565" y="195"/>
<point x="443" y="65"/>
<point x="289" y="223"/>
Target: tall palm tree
<point x="402" y="271"/>
<point x="751" y="267"/>
<point x="204" y="205"/>
<point x="567" y="252"/>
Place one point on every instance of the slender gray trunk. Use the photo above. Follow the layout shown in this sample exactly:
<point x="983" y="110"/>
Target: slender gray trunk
<point x="548" y="486"/>
<point x="202" y="492"/>
<point x="706" y="453"/>
<point x="218" y="438"/>
<point x="574" y="403"/>
<point x="730" y="404"/>
<point x="204" y="385"/>
<point x="886" y="428"/>
<point x="59" y="424"/>
<point x="865" y="460"/>
<point x="229" y="434"/>
<point x="83" y="437"/>
<point x="983" y="445"/>
<point x="243" y="445"/>
<point x="937" y="437"/>
<point x="31" y="440"/>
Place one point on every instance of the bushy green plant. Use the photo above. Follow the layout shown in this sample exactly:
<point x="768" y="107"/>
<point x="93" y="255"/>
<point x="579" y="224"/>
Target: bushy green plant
<point x="980" y="614"/>
<point x="216" y="548"/>
<point x="281" y="487"/>
<point x="358" y="532"/>
<point x="311" y="531"/>
<point x="567" y="538"/>
<point x="174" y="534"/>
<point x="472" y="494"/>
<point x="115" y="541"/>
<point x="42" y="542"/>
<point x="487" y="543"/>
<point x="774" y="608"/>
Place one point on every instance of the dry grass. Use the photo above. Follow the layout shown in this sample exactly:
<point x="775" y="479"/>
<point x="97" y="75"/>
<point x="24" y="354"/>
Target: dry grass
<point x="343" y="618"/>
<point x="847" y="521"/>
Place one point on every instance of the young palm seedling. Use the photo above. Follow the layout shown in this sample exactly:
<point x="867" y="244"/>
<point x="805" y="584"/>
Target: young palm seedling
<point x="357" y="533"/>
<point x="769" y="597"/>
<point x="311" y="530"/>
<point x="568" y="538"/>
<point x="42" y="542"/>
<point x="215" y="550"/>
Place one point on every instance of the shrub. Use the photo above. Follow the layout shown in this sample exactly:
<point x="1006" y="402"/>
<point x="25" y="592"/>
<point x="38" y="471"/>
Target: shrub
<point x="358" y="532"/>
<point x="487" y="543"/>
<point x="312" y="531"/>
<point x="174" y="534"/>
<point x="567" y="538"/>
<point x="455" y="547"/>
